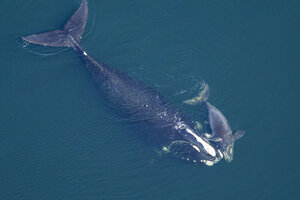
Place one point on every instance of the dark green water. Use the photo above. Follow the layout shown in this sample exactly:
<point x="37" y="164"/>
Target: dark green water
<point x="58" y="140"/>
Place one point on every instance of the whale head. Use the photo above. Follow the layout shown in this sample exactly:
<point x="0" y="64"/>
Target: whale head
<point x="193" y="147"/>
<point x="187" y="151"/>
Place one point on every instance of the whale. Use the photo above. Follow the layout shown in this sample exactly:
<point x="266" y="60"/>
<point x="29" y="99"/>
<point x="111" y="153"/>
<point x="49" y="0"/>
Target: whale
<point x="172" y="129"/>
<point x="221" y="134"/>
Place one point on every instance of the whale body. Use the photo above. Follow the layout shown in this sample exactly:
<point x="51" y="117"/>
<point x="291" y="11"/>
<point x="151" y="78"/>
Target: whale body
<point x="133" y="98"/>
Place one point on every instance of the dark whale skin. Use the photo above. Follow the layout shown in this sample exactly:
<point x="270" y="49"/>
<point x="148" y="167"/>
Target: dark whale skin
<point x="134" y="99"/>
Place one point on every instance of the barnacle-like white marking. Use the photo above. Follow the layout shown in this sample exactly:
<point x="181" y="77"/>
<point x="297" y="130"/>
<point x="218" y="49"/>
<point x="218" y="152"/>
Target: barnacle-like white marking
<point x="197" y="148"/>
<point x="206" y="146"/>
<point x="207" y="162"/>
<point x="165" y="149"/>
<point x="220" y="153"/>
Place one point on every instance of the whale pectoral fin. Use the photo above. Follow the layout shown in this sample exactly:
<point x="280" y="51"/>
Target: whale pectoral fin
<point x="202" y="97"/>
<point x="238" y="134"/>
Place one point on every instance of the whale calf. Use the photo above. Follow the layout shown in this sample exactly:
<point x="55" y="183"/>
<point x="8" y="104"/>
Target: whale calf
<point x="221" y="132"/>
<point x="172" y="129"/>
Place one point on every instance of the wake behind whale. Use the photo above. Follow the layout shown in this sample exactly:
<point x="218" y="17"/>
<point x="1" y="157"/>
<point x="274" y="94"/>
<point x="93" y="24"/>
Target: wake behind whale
<point x="173" y="130"/>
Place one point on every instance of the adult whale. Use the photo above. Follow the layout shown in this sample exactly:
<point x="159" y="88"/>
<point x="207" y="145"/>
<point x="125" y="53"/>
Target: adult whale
<point x="173" y="129"/>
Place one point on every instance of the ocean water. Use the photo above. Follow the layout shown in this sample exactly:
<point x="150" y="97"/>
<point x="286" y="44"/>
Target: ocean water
<point x="59" y="140"/>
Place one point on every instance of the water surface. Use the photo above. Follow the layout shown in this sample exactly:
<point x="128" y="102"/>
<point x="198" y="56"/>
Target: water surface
<point x="59" y="140"/>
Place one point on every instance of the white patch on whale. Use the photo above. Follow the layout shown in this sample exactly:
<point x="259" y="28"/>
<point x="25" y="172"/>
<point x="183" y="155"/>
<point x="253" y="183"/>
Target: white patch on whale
<point x="220" y="153"/>
<point x="207" y="162"/>
<point x="197" y="148"/>
<point x="206" y="146"/>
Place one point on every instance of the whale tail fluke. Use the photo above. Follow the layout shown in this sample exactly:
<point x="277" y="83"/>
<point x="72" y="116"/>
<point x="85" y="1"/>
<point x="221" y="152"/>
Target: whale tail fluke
<point x="202" y="97"/>
<point x="60" y="38"/>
